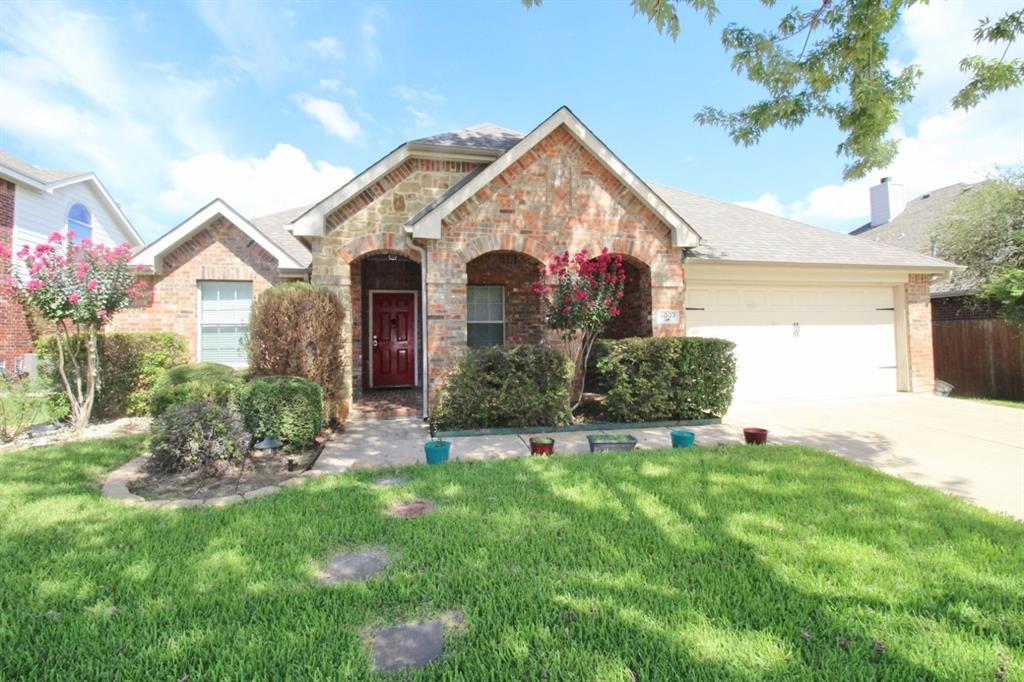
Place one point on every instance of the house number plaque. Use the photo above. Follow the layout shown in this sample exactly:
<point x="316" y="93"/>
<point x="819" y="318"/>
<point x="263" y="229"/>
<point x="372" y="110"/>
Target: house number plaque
<point x="664" y="316"/>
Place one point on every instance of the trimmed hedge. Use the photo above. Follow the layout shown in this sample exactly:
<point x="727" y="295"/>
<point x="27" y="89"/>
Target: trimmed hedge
<point x="200" y="381"/>
<point x="499" y="387"/>
<point x="130" y="366"/>
<point x="197" y="435"/>
<point x="295" y="330"/>
<point x="652" y="379"/>
<point x="287" y="408"/>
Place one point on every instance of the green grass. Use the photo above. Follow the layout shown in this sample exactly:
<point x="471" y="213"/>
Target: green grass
<point x="1019" y="404"/>
<point x="731" y="563"/>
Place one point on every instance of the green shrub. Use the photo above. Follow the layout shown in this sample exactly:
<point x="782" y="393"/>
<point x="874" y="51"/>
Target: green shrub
<point x="129" y="366"/>
<point x="498" y="387"/>
<point x="23" y="404"/>
<point x="295" y="330"/>
<point x="666" y="378"/>
<point x="197" y="435"/>
<point x="206" y="381"/>
<point x="287" y="408"/>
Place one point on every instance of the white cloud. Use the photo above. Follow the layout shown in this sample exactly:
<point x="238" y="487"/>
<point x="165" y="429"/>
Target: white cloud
<point x="327" y="47"/>
<point x="284" y="178"/>
<point x="407" y="94"/>
<point x="337" y="85"/>
<point x="938" y="146"/>
<point x="421" y="119"/>
<point x="331" y="115"/>
<point x="95" y="109"/>
<point x="256" y="35"/>
<point x="368" y="32"/>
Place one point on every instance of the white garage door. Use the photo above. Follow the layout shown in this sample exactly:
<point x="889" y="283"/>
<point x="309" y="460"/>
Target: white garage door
<point x="801" y="342"/>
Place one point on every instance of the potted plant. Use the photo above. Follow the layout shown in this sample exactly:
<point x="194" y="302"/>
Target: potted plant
<point x="608" y="441"/>
<point x="755" y="436"/>
<point x="542" y="445"/>
<point x="682" y="439"/>
<point x="437" y="450"/>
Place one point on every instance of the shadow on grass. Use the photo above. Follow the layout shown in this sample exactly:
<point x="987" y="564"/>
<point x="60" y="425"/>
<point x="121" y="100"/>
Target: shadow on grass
<point x="729" y="563"/>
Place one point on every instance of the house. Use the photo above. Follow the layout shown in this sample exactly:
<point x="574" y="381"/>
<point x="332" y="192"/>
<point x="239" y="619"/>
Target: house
<point x="435" y="247"/>
<point x="34" y="203"/>
<point x="974" y="349"/>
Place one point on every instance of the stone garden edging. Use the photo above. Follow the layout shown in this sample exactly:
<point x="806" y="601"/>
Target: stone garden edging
<point x="115" y="486"/>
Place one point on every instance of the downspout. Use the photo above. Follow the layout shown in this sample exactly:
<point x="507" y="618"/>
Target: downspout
<point x="425" y="380"/>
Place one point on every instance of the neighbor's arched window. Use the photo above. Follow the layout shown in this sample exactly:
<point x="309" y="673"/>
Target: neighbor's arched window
<point x="80" y="222"/>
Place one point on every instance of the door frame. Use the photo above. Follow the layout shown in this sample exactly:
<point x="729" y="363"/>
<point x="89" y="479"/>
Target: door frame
<point x="415" y="335"/>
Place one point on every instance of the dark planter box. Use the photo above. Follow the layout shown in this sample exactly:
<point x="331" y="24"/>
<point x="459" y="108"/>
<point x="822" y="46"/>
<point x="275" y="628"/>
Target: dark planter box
<point x="597" y="444"/>
<point x="755" y="436"/>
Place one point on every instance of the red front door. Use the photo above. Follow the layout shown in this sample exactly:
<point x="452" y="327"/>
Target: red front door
<point x="393" y="338"/>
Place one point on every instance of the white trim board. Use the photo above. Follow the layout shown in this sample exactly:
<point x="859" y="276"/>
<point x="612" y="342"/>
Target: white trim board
<point x="683" y="235"/>
<point x="151" y="255"/>
<point x="415" y="340"/>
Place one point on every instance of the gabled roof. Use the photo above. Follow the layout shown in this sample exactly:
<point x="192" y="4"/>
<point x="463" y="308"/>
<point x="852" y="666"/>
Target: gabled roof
<point x="48" y="181"/>
<point x="427" y="225"/>
<point x="151" y="256"/>
<point x="484" y="136"/>
<point x="275" y="226"/>
<point x="739" y="234"/>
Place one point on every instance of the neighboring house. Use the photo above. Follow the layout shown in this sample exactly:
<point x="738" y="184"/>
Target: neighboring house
<point x="435" y="247"/>
<point x="34" y="203"/>
<point x="974" y="350"/>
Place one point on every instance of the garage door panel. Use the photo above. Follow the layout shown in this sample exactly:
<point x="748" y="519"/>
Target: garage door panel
<point x="801" y="342"/>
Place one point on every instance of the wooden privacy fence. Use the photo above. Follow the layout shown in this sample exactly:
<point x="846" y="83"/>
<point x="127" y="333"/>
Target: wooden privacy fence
<point x="981" y="358"/>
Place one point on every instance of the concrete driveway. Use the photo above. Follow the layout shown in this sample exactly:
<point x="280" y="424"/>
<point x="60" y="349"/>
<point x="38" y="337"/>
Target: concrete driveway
<point x="973" y="450"/>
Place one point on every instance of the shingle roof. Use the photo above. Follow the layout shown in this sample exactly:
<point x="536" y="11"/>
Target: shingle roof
<point x="273" y="226"/>
<point x="484" y="136"/>
<point x="913" y="228"/>
<point x="40" y="175"/>
<point x="737" y="233"/>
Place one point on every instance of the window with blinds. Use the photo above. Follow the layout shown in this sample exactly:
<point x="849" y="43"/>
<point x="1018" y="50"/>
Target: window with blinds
<point x="224" y="321"/>
<point x="485" y="316"/>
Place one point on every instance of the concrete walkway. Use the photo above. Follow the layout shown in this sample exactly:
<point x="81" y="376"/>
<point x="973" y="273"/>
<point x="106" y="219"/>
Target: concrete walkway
<point x="969" y="449"/>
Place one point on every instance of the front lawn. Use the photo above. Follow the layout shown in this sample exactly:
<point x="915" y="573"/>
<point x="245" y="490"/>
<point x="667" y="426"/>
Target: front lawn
<point x="741" y="563"/>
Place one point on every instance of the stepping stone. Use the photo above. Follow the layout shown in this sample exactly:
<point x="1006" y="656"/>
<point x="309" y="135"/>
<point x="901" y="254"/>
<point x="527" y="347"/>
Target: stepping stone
<point x="355" y="566"/>
<point x="389" y="481"/>
<point x="409" y="645"/>
<point x="412" y="510"/>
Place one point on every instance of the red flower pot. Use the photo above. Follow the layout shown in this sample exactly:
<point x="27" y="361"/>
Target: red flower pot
<point x="755" y="436"/>
<point x="545" y="448"/>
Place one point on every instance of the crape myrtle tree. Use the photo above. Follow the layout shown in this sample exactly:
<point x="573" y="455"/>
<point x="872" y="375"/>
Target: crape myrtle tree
<point x="78" y="287"/>
<point x="579" y="295"/>
<point x="830" y="59"/>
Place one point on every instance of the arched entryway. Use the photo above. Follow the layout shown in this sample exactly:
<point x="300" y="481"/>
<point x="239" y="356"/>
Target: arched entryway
<point x="387" y="348"/>
<point x="501" y="308"/>
<point x="634" y="318"/>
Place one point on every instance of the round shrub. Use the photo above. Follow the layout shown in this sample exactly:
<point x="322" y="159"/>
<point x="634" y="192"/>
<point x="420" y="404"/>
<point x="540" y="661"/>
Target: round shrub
<point x="287" y="408"/>
<point x="499" y="386"/>
<point x="197" y="435"/>
<point x="295" y="330"/>
<point x="207" y="381"/>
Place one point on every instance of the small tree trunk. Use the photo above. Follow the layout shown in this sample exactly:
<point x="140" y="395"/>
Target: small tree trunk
<point x="80" y="390"/>
<point x="580" y="355"/>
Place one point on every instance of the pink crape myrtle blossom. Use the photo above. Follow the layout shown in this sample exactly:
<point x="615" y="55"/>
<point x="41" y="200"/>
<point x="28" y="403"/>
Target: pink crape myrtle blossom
<point x="77" y="287"/>
<point x="580" y="295"/>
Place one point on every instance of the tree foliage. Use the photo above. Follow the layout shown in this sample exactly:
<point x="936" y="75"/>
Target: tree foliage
<point x="832" y="61"/>
<point x="985" y="233"/>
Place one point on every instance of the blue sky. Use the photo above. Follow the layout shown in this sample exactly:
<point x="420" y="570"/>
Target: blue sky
<point x="273" y="105"/>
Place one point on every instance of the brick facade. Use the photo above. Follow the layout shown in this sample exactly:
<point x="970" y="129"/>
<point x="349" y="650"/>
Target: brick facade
<point x="516" y="273"/>
<point x="220" y="251"/>
<point x="919" y="334"/>
<point x="16" y="340"/>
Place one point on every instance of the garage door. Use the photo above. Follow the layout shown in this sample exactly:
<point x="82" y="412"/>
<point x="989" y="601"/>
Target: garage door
<point x="801" y="342"/>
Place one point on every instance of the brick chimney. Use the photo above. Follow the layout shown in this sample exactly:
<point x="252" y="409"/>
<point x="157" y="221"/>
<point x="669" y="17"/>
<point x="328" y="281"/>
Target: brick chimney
<point x="887" y="202"/>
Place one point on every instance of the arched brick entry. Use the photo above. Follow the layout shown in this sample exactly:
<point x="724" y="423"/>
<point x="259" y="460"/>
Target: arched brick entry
<point x="506" y="242"/>
<point x="634" y="318"/>
<point x="377" y="243"/>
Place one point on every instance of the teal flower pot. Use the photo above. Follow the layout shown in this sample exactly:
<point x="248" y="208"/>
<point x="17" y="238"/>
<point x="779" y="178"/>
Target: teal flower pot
<point x="683" y="439"/>
<point x="437" y="451"/>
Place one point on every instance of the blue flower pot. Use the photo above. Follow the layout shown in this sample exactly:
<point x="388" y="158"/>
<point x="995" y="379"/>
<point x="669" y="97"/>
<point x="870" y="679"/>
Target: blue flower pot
<point x="437" y="451"/>
<point x="683" y="439"/>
